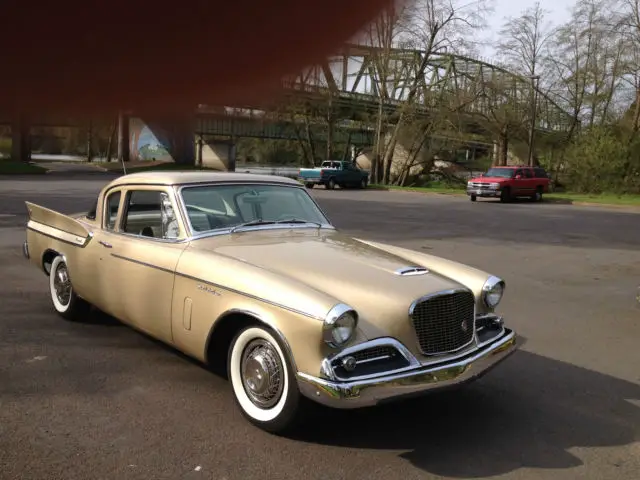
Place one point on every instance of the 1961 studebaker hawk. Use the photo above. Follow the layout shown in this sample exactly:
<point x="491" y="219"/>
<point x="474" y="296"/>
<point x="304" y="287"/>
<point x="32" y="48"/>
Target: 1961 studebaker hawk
<point x="245" y="272"/>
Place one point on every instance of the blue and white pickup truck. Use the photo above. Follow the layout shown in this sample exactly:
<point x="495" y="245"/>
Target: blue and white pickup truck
<point x="334" y="172"/>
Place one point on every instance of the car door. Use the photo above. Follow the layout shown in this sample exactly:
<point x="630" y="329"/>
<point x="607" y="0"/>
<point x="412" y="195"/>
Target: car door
<point x="529" y="181"/>
<point x="143" y="252"/>
<point x="352" y="177"/>
<point x="519" y="182"/>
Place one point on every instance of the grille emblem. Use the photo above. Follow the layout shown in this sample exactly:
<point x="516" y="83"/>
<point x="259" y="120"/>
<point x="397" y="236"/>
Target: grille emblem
<point x="464" y="326"/>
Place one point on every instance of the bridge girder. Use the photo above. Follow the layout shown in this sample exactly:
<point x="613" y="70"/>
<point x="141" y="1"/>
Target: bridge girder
<point x="362" y="75"/>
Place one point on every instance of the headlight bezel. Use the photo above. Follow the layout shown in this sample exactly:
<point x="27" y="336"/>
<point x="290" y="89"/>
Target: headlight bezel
<point x="338" y="314"/>
<point x="490" y="286"/>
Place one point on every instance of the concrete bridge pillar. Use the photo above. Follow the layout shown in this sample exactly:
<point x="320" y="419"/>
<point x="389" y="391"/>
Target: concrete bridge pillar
<point x="169" y="138"/>
<point x="123" y="137"/>
<point x="217" y="154"/>
<point x="20" y="138"/>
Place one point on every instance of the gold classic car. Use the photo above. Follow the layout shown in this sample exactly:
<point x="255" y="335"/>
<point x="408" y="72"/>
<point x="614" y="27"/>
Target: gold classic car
<point x="247" y="274"/>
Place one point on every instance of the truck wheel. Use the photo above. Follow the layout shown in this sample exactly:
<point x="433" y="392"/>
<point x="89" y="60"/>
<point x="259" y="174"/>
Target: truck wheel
<point x="331" y="184"/>
<point x="473" y="198"/>
<point x="363" y="183"/>
<point x="505" y="195"/>
<point x="309" y="185"/>
<point x="537" y="196"/>
<point x="67" y="304"/>
<point x="263" y="380"/>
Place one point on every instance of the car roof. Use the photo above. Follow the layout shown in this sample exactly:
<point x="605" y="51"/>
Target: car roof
<point x="194" y="177"/>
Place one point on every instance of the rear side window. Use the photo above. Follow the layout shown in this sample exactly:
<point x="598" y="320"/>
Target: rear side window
<point x="540" y="173"/>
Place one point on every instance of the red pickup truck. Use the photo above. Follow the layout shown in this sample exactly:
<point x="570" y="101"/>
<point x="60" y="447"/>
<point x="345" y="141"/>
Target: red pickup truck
<point x="510" y="182"/>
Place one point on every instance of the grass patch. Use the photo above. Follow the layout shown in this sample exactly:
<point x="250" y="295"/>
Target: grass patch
<point x="7" y="167"/>
<point x="559" y="197"/>
<point x="435" y="187"/>
<point x="601" y="199"/>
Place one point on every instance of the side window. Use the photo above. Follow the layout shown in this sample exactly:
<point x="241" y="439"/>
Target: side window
<point x="111" y="210"/>
<point x="528" y="173"/>
<point x="518" y="172"/>
<point x="151" y="214"/>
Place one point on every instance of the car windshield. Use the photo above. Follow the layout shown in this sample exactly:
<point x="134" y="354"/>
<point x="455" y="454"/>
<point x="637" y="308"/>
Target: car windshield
<point x="500" y="172"/>
<point x="214" y="207"/>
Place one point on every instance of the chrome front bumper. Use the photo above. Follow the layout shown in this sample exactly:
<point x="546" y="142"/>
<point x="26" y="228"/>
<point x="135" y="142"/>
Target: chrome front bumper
<point x="372" y="391"/>
<point x="25" y="250"/>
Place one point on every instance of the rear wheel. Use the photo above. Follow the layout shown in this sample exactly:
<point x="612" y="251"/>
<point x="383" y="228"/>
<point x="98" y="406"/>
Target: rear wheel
<point x="65" y="301"/>
<point x="363" y="183"/>
<point x="331" y="184"/>
<point x="309" y="185"/>
<point x="263" y="380"/>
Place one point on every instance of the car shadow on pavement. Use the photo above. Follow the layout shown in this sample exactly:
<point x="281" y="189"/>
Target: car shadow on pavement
<point x="530" y="411"/>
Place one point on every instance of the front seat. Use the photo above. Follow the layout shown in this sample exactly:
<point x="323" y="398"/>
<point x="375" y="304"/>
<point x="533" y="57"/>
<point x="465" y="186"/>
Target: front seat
<point x="147" y="232"/>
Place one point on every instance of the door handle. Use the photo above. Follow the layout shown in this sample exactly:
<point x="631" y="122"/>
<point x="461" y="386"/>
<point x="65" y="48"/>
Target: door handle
<point x="104" y="244"/>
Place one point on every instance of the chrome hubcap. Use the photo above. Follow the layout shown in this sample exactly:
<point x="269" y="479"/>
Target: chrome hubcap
<point x="62" y="285"/>
<point x="262" y="373"/>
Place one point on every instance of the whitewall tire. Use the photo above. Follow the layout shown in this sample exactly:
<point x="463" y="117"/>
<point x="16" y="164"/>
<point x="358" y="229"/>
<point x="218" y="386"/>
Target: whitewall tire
<point x="65" y="301"/>
<point x="263" y="380"/>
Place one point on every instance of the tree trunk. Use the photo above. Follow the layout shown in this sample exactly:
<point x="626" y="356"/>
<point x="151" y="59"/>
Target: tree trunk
<point x="110" y="141"/>
<point x="312" y="150"/>
<point x="330" y="126"/>
<point x="89" y="142"/>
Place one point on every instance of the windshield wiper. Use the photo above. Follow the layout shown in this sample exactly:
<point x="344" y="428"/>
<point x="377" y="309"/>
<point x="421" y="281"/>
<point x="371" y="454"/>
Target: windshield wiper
<point x="297" y="220"/>
<point x="250" y="224"/>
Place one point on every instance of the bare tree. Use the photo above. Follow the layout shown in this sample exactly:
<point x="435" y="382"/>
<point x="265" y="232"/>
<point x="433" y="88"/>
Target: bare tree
<point x="433" y="27"/>
<point x="629" y="26"/>
<point x="524" y="40"/>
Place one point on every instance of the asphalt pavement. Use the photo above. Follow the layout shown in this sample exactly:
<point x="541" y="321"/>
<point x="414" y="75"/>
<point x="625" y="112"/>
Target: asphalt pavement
<point x="101" y="401"/>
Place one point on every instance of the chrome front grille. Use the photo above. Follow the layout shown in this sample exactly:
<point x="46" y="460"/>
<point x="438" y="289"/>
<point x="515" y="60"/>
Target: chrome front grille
<point x="481" y="186"/>
<point x="444" y="322"/>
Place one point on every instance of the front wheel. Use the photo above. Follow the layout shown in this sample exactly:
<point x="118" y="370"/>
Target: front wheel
<point x="363" y="183"/>
<point x="473" y="197"/>
<point x="65" y="301"/>
<point x="263" y="380"/>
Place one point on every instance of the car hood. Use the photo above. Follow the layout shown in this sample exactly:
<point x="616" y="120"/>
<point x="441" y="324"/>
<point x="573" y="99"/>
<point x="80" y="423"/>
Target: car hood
<point x="351" y="271"/>
<point x="489" y="179"/>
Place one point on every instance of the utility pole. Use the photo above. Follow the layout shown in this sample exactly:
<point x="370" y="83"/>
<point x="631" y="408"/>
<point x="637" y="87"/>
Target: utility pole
<point x="534" y="103"/>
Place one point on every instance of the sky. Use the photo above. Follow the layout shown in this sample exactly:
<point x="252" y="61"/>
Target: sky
<point x="558" y="13"/>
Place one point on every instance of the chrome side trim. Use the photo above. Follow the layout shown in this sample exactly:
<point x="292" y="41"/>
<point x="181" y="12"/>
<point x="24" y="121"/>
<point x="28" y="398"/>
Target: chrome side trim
<point x="61" y="235"/>
<point x="437" y="294"/>
<point x="327" y="370"/>
<point x="217" y="285"/>
<point x="363" y="393"/>
<point x="139" y="262"/>
<point x="411" y="271"/>
<point x="25" y="250"/>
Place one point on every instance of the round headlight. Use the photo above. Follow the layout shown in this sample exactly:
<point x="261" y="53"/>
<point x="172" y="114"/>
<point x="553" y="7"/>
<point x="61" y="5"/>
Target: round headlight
<point x="339" y="325"/>
<point x="492" y="291"/>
